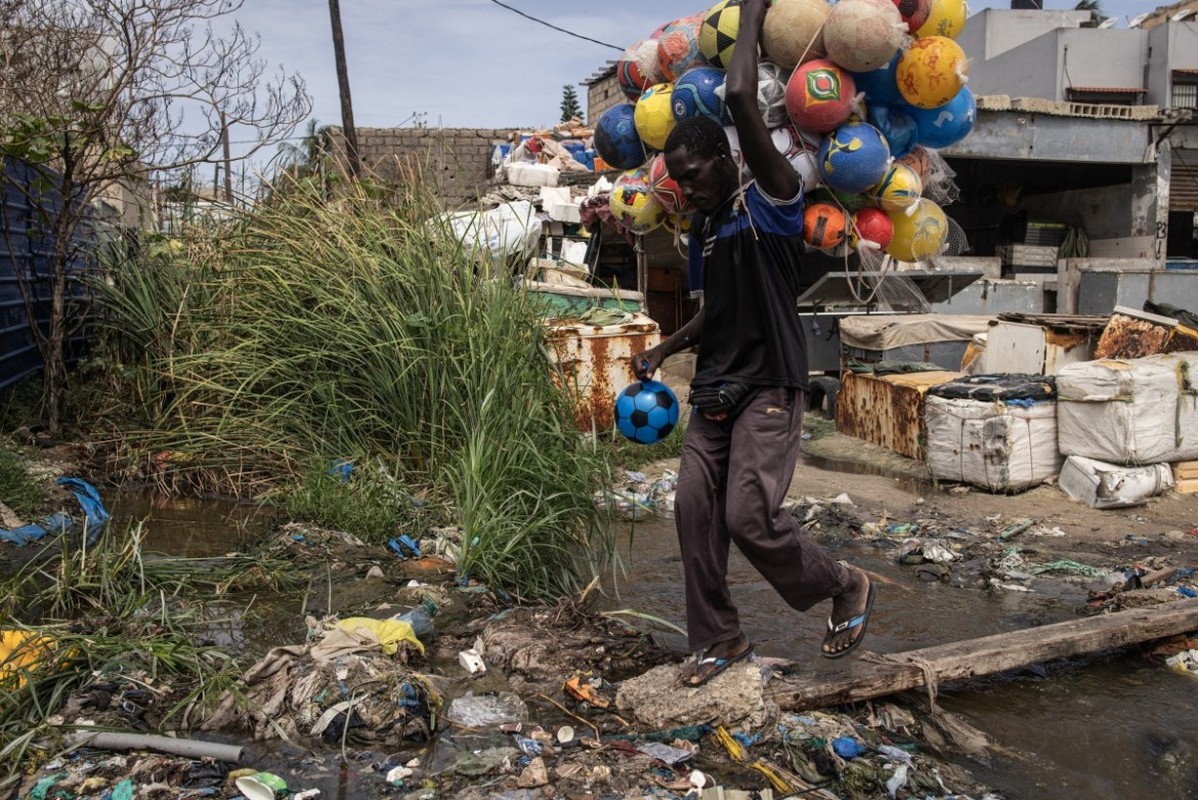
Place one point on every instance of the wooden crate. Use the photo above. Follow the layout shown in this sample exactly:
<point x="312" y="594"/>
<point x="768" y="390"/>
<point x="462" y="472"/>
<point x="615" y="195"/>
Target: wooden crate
<point x="1185" y="477"/>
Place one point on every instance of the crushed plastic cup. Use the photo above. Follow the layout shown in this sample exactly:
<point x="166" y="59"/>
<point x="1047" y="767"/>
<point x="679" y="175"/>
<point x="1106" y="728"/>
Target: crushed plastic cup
<point x="472" y="661"/>
<point x="261" y="786"/>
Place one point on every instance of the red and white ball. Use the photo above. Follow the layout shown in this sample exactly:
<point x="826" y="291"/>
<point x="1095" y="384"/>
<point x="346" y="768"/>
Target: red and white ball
<point x="637" y="68"/>
<point x="819" y="95"/>
<point x="678" y="47"/>
<point x="665" y="189"/>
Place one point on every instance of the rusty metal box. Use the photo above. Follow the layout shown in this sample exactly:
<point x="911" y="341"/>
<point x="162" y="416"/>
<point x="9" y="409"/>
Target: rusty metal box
<point x="887" y="410"/>
<point x="594" y="361"/>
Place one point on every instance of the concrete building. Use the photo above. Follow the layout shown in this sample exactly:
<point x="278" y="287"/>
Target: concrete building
<point x="1091" y="128"/>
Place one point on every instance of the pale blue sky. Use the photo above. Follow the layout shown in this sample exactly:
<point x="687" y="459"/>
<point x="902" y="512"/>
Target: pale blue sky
<point x="472" y="63"/>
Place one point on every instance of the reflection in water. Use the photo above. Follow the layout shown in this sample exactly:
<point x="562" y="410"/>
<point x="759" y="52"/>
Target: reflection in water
<point x="185" y="526"/>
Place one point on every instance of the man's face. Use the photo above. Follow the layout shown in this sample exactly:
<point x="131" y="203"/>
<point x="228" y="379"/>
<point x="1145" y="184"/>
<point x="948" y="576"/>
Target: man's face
<point x="702" y="179"/>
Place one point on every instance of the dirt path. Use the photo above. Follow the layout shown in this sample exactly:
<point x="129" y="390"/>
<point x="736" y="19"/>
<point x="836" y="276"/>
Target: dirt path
<point x="881" y="481"/>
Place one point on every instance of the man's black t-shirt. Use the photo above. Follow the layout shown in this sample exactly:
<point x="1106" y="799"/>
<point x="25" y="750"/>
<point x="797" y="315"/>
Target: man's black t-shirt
<point x="748" y="254"/>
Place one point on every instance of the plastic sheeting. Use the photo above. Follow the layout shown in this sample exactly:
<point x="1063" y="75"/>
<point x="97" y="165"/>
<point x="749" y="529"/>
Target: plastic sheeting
<point x="1102" y="485"/>
<point x="1135" y="411"/>
<point x="510" y="229"/>
<point x="95" y="516"/>
<point x="990" y="388"/>
<point x="997" y="446"/>
<point x="888" y="331"/>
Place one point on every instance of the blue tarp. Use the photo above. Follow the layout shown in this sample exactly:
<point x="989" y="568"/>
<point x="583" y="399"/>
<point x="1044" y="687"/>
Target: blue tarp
<point x="95" y="516"/>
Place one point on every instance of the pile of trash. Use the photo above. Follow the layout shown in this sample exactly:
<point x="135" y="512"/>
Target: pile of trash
<point x="640" y="497"/>
<point x="351" y="682"/>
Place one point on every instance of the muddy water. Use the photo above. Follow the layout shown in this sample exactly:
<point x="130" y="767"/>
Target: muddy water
<point x="1115" y="725"/>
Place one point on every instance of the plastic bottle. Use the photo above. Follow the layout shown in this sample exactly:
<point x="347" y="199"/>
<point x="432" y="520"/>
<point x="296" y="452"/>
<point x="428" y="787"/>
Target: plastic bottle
<point x="421" y="619"/>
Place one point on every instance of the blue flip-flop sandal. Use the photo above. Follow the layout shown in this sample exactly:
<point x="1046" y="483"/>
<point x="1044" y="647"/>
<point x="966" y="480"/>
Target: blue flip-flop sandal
<point x="861" y="620"/>
<point x="721" y="665"/>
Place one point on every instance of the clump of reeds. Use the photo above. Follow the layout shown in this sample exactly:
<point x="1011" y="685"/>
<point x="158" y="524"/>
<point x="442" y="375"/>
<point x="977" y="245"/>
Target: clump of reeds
<point x="362" y="329"/>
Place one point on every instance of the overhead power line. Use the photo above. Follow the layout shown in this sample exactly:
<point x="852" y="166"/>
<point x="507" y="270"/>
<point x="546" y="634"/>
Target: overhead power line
<point x="556" y="28"/>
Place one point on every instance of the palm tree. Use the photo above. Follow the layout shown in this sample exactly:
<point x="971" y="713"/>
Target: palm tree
<point x="306" y="158"/>
<point x="1096" y="15"/>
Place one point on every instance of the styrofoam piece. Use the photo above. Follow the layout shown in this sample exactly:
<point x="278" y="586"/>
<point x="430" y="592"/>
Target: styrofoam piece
<point x="550" y="195"/>
<point x="532" y="175"/>
<point x="1102" y="485"/>
<point x="999" y="447"/>
<point x="564" y="212"/>
<point x="472" y="662"/>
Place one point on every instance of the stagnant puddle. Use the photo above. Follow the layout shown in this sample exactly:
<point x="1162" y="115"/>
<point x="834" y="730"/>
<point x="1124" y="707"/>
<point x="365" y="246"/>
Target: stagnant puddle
<point x="1112" y="725"/>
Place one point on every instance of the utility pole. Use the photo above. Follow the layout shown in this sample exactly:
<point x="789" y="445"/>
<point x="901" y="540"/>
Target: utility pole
<point x="347" y="107"/>
<point x="224" y="138"/>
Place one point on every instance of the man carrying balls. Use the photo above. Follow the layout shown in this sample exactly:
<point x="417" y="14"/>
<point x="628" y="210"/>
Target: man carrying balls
<point x="748" y="392"/>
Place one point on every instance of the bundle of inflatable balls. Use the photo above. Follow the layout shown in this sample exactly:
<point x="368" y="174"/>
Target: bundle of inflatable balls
<point x="858" y="95"/>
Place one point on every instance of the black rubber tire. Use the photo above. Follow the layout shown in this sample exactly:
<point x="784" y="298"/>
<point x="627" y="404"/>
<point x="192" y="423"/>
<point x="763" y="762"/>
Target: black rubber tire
<point x="822" y="395"/>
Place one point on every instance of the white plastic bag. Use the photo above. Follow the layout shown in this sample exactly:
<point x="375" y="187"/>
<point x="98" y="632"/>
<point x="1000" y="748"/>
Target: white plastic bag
<point x="510" y="229"/>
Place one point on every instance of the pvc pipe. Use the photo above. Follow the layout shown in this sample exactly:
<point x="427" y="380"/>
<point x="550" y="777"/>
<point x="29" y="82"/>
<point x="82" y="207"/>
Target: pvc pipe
<point x="189" y="748"/>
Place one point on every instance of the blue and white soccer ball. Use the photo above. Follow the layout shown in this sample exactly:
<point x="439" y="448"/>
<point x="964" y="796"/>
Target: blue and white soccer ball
<point x="646" y="412"/>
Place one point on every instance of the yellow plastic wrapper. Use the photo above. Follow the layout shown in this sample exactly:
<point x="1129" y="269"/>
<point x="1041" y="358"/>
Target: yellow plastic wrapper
<point x="20" y="651"/>
<point x="389" y="632"/>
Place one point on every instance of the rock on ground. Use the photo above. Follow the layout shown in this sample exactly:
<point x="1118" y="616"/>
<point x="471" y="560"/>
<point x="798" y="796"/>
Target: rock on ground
<point x="657" y="698"/>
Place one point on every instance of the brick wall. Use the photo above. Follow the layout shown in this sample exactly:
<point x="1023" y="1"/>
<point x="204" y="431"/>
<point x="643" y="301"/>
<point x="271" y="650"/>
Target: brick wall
<point x="454" y="162"/>
<point x="602" y="95"/>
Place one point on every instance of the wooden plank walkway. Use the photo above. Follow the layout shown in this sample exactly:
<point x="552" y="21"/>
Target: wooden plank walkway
<point x="871" y="675"/>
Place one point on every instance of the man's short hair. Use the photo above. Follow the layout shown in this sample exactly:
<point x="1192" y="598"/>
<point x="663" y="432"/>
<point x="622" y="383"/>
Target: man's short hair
<point x="701" y="136"/>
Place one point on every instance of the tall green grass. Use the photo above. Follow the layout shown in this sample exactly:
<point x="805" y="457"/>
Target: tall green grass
<point x="361" y="329"/>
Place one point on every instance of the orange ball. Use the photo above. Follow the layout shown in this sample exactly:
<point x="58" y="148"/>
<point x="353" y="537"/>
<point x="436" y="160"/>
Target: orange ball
<point x="824" y="226"/>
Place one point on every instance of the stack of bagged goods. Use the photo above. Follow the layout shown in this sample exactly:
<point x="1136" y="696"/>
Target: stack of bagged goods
<point x="998" y="432"/>
<point x="859" y="96"/>
<point x="1122" y="422"/>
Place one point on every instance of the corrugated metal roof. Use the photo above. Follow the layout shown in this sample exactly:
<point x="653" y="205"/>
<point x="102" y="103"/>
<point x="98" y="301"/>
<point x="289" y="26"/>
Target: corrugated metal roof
<point x="606" y="70"/>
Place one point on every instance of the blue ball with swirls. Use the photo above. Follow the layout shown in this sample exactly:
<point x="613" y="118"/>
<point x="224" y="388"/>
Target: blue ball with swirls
<point x="696" y="94"/>
<point x="947" y="124"/>
<point x="853" y="157"/>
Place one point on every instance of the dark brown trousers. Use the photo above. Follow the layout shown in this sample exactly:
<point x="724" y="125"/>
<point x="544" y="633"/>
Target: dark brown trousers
<point x="731" y="484"/>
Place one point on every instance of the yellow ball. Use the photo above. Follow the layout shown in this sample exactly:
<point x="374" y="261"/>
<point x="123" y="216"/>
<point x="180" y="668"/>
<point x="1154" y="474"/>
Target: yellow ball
<point x="931" y="71"/>
<point x="899" y="188"/>
<point x="717" y="34"/>
<point x="632" y="202"/>
<point x="945" y="18"/>
<point x="920" y="232"/>
<point x="654" y="115"/>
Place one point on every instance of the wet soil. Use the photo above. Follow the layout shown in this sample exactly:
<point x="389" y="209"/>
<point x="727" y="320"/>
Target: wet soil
<point x="1105" y="725"/>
